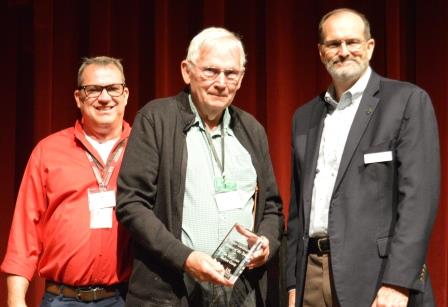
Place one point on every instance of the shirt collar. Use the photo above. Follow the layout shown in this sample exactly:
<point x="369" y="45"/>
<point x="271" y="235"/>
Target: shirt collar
<point x="199" y="122"/>
<point x="349" y="95"/>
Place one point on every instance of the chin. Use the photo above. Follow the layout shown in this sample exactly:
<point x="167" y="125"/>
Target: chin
<point x="218" y="104"/>
<point x="105" y="121"/>
<point x="347" y="73"/>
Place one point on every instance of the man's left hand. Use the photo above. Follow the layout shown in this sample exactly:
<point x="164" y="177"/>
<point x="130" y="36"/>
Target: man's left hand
<point x="261" y="255"/>
<point x="391" y="296"/>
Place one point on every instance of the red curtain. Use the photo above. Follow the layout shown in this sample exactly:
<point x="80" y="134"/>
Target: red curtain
<point x="44" y="40"/>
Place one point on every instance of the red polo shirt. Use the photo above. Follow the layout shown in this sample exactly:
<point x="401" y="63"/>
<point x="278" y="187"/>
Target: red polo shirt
<point x="50" y="231"/>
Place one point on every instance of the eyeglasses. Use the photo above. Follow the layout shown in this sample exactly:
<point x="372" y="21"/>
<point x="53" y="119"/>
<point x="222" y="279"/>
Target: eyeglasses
<point x="211" y="73"/>
<point x="352" y="45"/>
<point x="94" y="91"/>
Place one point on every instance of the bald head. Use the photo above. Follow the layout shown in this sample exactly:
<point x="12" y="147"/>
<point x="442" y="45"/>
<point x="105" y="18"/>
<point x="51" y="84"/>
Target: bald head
<point x="346" y="13"/>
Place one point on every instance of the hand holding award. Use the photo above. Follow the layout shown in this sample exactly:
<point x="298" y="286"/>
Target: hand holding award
<point x="236" y="251"/>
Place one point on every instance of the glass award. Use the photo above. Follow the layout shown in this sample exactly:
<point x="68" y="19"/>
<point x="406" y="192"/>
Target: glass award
<point x="235" y="251"/>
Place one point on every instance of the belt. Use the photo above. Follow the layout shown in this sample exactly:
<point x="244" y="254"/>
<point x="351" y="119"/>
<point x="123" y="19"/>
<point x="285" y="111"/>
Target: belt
<point x="83" y="293"/>
<point x="319" y="245"/>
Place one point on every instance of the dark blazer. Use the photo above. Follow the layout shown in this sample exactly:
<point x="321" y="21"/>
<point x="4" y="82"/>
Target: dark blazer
<point x="381" y="214"/>
<point x="151" y="188"/>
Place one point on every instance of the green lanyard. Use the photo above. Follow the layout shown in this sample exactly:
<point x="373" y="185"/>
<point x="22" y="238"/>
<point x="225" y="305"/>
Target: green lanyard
<point x="221" y="184"/>
<point x="213" y="149"/>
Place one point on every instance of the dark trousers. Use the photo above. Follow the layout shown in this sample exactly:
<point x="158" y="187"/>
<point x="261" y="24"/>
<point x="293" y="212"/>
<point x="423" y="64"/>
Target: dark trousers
<point x="52" y="300"/>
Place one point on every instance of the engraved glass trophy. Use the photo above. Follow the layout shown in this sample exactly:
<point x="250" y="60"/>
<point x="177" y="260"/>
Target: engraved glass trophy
<point x="235" y="251"/>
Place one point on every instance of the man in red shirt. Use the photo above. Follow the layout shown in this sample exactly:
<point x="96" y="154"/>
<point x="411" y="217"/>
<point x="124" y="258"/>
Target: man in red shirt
<point x="64" y="225"/>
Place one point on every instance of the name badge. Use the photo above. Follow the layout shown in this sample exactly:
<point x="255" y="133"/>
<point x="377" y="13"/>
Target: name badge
<point x="228" y="201"/>
<point x="376" y="157"/>
<point x="101" y="204"/>
<point x="101" y="218"/>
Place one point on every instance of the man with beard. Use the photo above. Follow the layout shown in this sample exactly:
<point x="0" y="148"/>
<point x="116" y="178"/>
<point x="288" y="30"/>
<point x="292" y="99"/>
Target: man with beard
<point x="365" y="181"/>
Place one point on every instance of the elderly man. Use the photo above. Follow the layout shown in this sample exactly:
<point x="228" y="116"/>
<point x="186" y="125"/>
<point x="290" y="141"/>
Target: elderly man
<point x="195" y="165"/>
<point x="365" y="182"/>
<point x="64" y="224"/>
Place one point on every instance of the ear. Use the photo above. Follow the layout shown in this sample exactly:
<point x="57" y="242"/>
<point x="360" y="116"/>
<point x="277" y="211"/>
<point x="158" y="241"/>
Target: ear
<point x="321" y="50"/>
<point x="185" y="69"/>
<point x="77" y="95"/>
<point x="240" y="81"/>
<point x="125" y="95"/>
<point x="370" y="47"/>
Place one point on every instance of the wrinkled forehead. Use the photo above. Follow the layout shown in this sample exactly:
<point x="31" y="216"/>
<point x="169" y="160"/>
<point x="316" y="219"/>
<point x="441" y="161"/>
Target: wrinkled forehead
<point x="220" y="50"/>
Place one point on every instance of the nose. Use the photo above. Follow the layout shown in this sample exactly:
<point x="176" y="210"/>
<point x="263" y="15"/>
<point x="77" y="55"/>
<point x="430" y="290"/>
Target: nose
<point x="343" y="49"/>
<point x="221" y="79"/>
<point x="104" y="95"/>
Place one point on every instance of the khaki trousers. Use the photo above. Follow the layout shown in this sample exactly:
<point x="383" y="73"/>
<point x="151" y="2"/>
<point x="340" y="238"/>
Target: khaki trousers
<point x="319" y="286"/>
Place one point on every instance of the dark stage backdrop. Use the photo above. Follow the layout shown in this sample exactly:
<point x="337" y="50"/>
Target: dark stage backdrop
<point x="43" y="41"/>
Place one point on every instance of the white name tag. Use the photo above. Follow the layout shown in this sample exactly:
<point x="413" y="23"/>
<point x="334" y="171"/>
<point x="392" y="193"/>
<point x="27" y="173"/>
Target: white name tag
<point x="101" y="218"/>
<point x="376" y="157"/>
<point x="228" y="201"/>
<point x="101" y="204"/>
<point x="101" y="199"/>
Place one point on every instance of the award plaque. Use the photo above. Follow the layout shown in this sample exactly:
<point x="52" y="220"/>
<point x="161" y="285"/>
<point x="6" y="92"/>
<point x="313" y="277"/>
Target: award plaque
<point x="235" y="251"/>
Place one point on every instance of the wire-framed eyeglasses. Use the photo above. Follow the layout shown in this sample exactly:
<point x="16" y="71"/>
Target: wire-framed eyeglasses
<point x="210" y="73"/>
<point x="353" y="45"/>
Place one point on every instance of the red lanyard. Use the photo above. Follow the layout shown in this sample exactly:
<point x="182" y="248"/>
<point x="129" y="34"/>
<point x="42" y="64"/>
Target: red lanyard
<point x="103" y="176"/>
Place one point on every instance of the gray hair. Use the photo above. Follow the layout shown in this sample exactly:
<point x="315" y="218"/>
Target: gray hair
<point x="210" y="36"/>
<point x="100" y="61"/>
<point x="367" y="34"/>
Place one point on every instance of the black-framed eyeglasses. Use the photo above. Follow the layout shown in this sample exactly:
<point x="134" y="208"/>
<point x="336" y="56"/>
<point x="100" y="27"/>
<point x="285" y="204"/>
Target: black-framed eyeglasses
<point x="211" y="73"/>
<point x="352" y="44"/>
<point x="94" y="91"/>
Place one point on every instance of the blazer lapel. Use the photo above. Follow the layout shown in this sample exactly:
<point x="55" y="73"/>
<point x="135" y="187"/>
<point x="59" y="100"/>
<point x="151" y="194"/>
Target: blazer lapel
<point x="363" y="115"/>
<point x="315" y="128"/>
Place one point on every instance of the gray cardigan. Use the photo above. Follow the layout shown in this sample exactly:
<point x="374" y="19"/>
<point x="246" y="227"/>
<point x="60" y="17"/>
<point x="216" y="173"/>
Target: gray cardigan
<point x="151" y="187"/>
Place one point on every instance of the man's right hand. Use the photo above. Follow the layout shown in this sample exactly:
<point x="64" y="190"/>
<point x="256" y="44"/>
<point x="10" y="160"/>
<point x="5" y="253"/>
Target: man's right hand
<point x="202" y="267"/>
<point x="17" y="287"/>
<point x="292" y="298"/>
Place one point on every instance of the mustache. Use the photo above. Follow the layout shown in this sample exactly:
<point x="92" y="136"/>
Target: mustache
<point x="343" y="60"/>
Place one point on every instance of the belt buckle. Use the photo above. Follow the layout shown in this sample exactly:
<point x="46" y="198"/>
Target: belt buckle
<point x="93" y="290"/>
<point x="319" y="246"/>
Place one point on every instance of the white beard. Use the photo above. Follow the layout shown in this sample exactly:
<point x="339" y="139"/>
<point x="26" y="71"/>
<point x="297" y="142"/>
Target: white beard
<point x="347" y="72"/>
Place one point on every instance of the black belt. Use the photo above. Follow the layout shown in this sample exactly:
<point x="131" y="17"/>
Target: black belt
<point x="319" y="245"/>
<point x="83" y="293"/>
